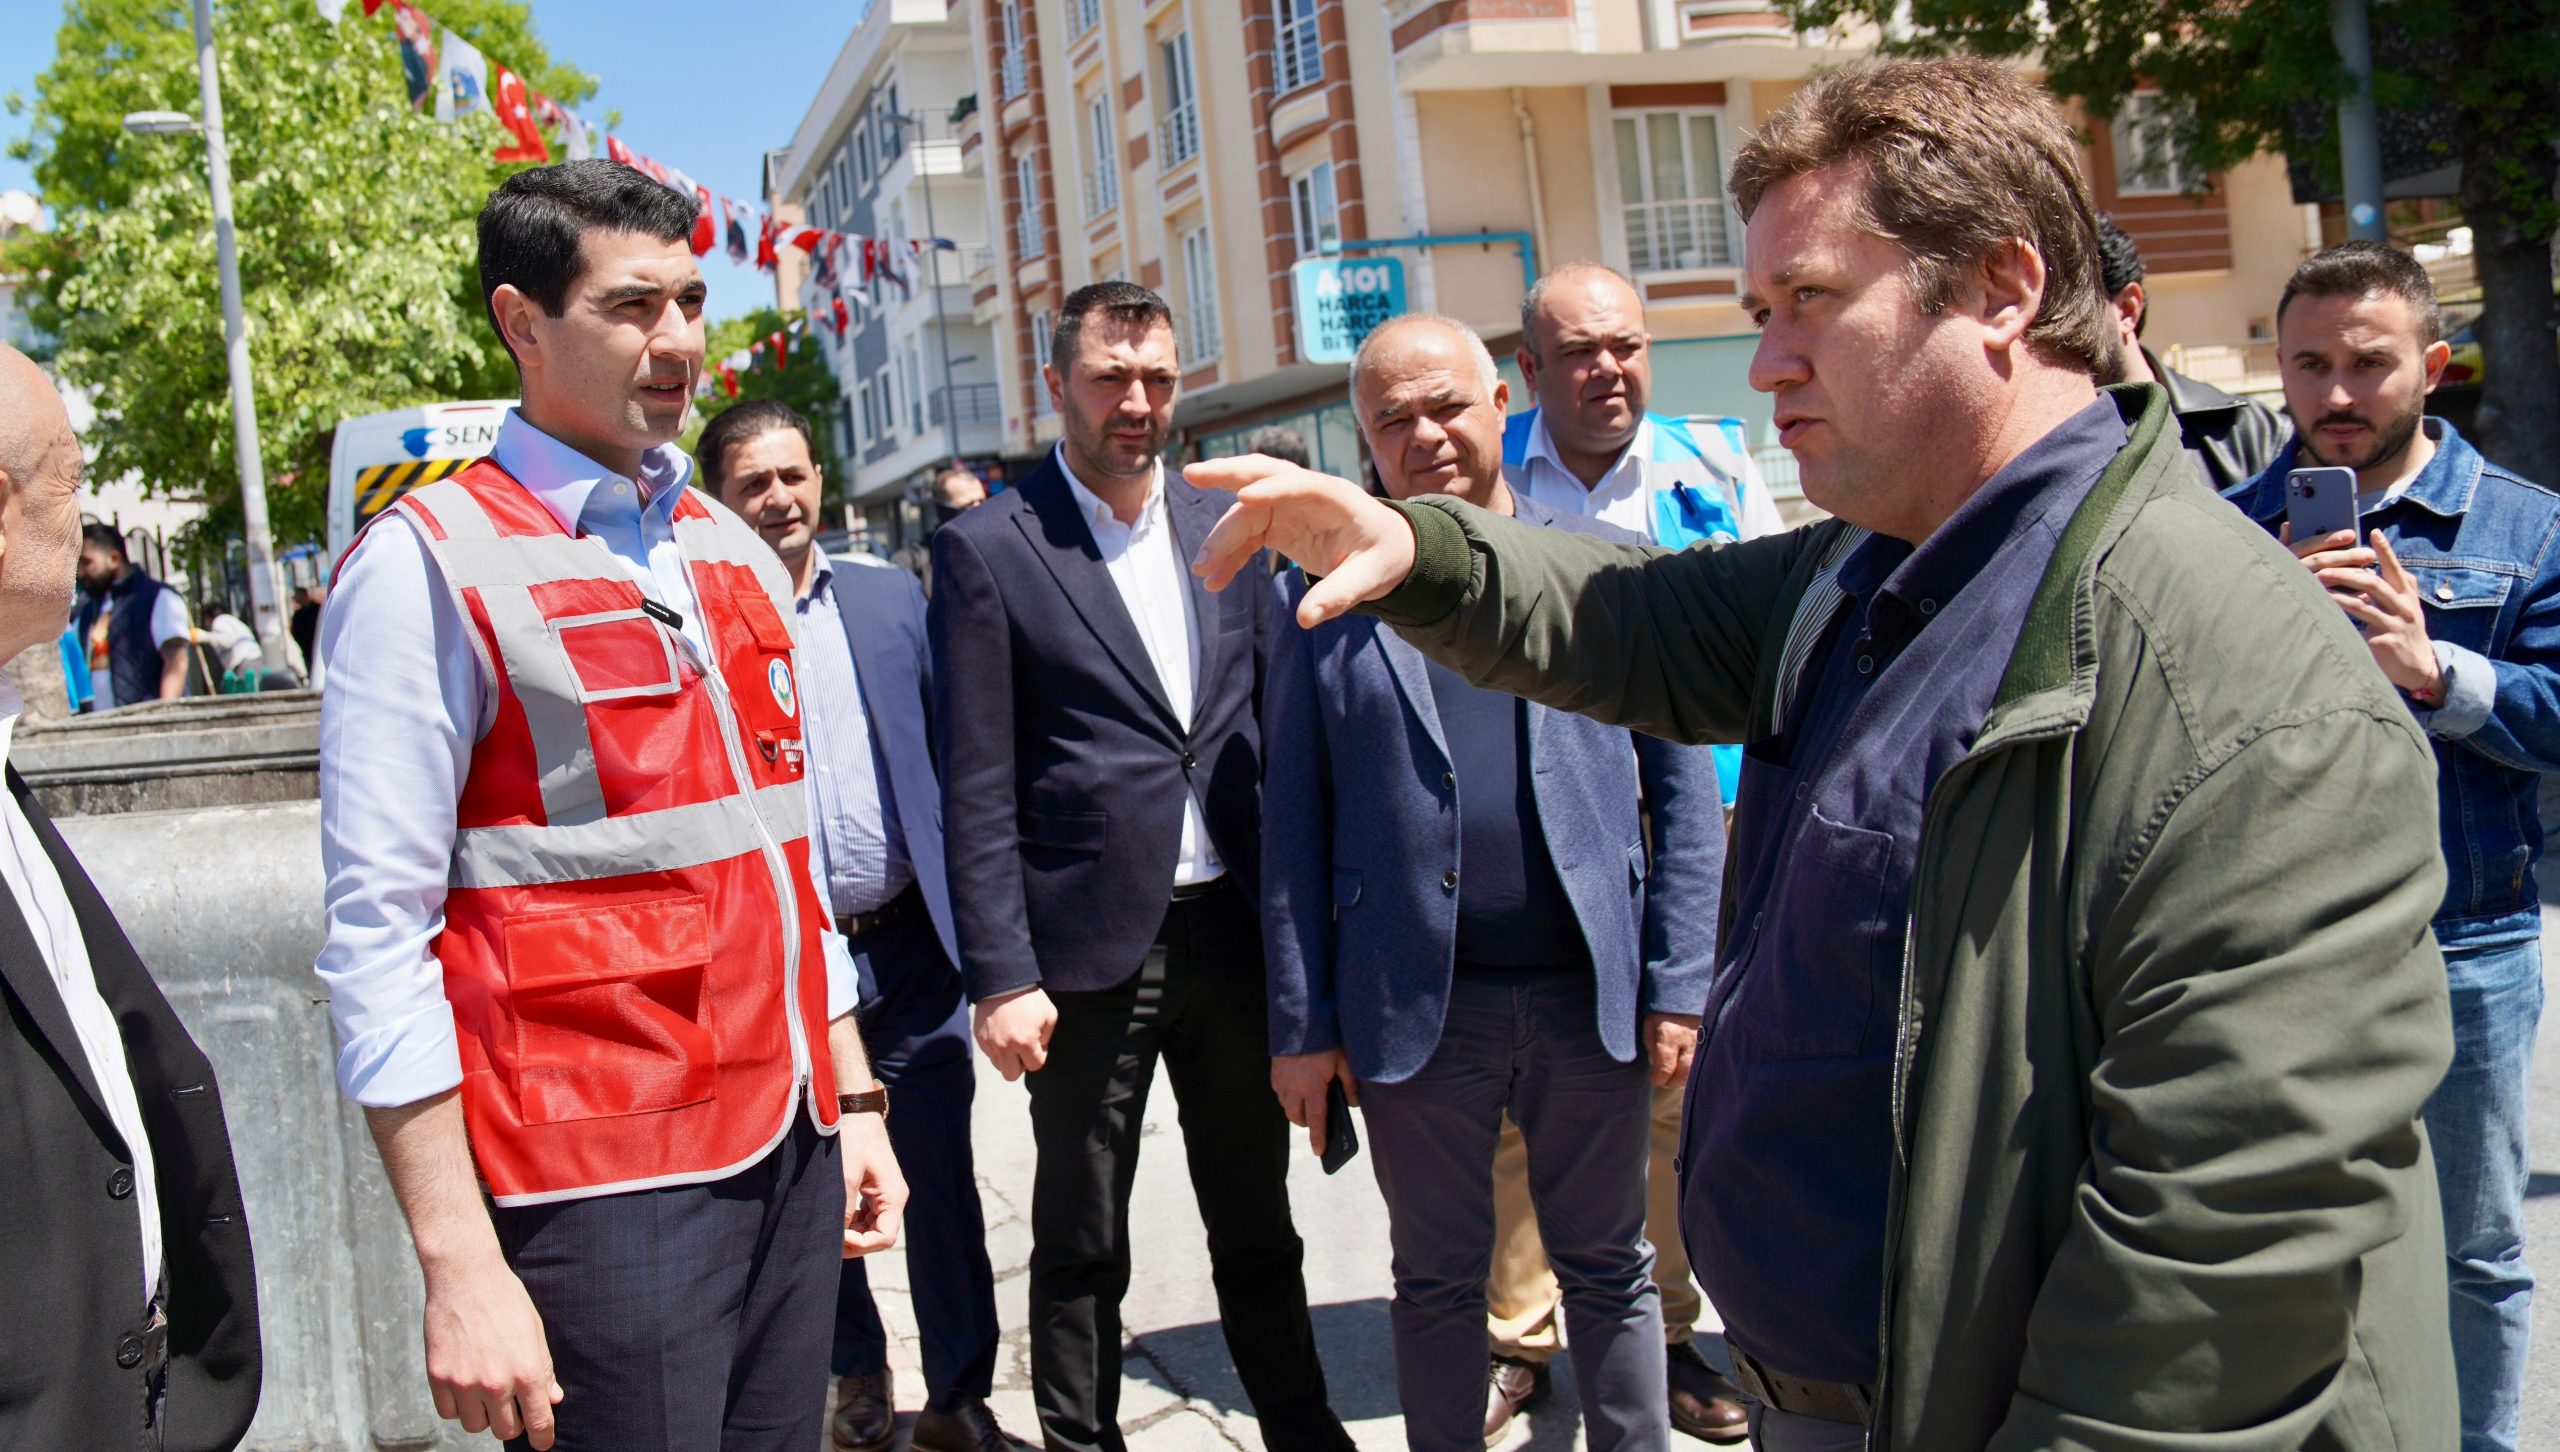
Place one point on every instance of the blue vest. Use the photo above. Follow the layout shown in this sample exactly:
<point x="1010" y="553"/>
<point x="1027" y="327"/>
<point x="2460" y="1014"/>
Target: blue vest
<point x="133" y="657"/>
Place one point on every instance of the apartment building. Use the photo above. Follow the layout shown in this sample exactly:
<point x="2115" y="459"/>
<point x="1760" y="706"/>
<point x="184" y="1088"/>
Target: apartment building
<point x="876" y="156"/>
<point x="1204" y="147"/>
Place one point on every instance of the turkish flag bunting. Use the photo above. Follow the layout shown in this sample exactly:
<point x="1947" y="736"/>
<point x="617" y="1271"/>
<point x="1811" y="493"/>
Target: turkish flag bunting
<point x="515" y="113"/>
<point x="729" y="380"/>
<point x="765" y="258"/>
<point x="844" y="315"/>
<point x="706" y="232"/>
<point x="614" y="148"/>
<point x="737" y="233"/>
<point x="806" y="238"/>
<point x="781" y="349"/>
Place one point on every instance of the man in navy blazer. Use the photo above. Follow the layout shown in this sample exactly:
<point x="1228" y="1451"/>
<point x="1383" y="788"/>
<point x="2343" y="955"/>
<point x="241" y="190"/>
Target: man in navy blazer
<point x="877" y="851"/>
<point x="1463" y="919"/>
<point x="1100" y="771"/>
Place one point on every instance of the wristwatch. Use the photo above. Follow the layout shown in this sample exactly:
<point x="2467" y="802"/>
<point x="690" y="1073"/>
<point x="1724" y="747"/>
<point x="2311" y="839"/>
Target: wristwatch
<point x="869" y="1101"/>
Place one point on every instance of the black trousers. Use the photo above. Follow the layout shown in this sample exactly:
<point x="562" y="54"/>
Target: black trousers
<point x="1196" y="1005"/>
<point x="695" y="1317"/>
<point x="915" y="1023"/>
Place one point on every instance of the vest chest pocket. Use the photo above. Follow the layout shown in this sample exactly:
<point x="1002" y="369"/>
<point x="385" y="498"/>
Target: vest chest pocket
<point x="609" y="1009"/>
<point x="2462" y="601"/>
<point x="617" y="655"/>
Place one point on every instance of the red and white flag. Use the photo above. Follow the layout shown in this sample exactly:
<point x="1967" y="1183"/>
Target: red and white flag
<point x="706" y="231"/>
<point x="515" y="113"/>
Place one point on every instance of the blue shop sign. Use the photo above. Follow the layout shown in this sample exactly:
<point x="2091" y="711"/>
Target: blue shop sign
<point x="1340" y="299"/>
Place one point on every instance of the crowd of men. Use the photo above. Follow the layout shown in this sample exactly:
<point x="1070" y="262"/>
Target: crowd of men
<point x="2043" y="957"/>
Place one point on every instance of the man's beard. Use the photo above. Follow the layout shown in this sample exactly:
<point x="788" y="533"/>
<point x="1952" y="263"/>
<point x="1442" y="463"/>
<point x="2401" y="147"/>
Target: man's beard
<point x="1095" y="444"/>
<point x="2389" y="441"/>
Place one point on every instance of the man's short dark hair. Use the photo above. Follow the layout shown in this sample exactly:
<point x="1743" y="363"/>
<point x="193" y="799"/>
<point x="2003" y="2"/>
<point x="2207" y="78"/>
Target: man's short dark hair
<point x="942" y="493"/>
<point x="2361" y="269"/>
<point x="1279" y="442"/>
<point x="2120" y="266"/>
<point x="1125" y="303"/>
<point x="103" y="536"/>
<point x="735" y="426"/>
<point x="530" y="229"/>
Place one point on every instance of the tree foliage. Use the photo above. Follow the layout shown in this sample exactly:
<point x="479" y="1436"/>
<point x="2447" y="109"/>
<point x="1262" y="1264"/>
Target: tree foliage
<point x="355" y="217"/>
<point x="2245" y="78"/>
<point x="805" y="384"/>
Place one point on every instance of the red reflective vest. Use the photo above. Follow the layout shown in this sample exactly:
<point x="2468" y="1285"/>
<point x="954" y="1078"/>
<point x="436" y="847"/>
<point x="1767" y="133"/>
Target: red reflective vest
<point x="630" y="939"/>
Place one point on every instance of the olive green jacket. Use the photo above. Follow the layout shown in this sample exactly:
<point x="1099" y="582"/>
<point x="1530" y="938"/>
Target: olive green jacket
<point x="2170" y="1007"/>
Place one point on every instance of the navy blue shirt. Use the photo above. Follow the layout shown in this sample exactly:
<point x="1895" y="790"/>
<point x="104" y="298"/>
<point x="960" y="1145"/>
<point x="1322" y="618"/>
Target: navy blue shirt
<point x="1512" y="909"/>
<point x="1789" y="1135"/>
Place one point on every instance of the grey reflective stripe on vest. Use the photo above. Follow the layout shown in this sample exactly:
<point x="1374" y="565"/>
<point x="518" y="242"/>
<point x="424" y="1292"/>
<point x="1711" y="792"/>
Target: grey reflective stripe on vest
<point x="660" y="841"/>
<point x="1821" y="600"/>
<point x="502" y="572"/>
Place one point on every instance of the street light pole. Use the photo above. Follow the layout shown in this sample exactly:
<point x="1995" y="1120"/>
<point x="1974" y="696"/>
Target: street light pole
<point x="263" y="592"/>
<point x="941" y="324"/>
<point x="2359" y="134"/>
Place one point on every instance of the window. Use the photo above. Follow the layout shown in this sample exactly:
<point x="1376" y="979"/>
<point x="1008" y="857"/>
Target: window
<point x="1016" y="75"/>
<point x="915" y="389"/>
<point x="870" y="423"/>
<point x="888" y="401"/>
<point x="1027" y="229"/>
<point x="888" y="121"/>
<point x="1311" y="210"/>
<point x="866" y="164"/>
<point x="1200" y="293"/>
<point x="1082" y="16"/>
<point x="1668" y="180"/>
<point x="2147" y="158"/>
<point x="1180" y="127"/>
<point x="1041" y="332"/>
<point x="1101" y="160"/>
<point x="1298" y="58"/>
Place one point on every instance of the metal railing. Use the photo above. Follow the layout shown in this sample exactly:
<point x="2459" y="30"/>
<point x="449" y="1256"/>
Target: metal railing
<point x="1300" y="58"/>
<point x="2250" y="367"/>
<point x="975" y="260"/>
<point x="1690" y="232"/>
<point x="968" y="403"/>
<point x="1016" y="75"/>
<point x="1027" y="240"/>
<point x="1178" y="134"/>
<point x="1101" y="193"/>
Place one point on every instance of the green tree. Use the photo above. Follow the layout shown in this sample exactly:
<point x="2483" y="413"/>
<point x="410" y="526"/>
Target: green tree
<point x="355" y="217"/>
<point x="804" y="383"/>
<point x="2244" y="75"/>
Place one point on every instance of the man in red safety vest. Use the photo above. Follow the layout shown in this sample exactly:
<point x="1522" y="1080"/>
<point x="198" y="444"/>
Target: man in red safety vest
<point x="583" y="982"/>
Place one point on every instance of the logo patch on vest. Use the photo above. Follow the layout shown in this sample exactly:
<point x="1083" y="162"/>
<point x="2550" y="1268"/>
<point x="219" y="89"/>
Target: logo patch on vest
<point x="779" y="676"/>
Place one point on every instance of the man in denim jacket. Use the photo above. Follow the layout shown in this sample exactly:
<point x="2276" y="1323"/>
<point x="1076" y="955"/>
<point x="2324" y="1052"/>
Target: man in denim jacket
<point x="2456" y="587"/>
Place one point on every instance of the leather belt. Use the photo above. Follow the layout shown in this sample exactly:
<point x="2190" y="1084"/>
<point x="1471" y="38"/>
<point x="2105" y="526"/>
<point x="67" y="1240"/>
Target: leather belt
<point x="854" y="925"/>
<point x="1199" y="890"/>
<point x="1829" y="1401"/>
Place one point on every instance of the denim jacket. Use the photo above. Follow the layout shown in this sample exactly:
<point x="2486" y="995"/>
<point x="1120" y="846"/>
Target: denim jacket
<point x="2480" y="542"/>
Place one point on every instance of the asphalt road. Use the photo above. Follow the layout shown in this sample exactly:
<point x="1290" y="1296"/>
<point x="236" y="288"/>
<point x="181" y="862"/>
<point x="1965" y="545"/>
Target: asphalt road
<point x="1180" y="1394"/>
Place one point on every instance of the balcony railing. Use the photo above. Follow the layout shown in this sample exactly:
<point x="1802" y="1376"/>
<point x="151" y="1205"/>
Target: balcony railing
<point x="1101" y="194"/>
<point x="1027" y="241"/>
<point x="977" y="260"/>
<point x="968" y="403"/>
<point x="1017" y="75"/>
<point x="1178" y="134"/>
<point x="1666" y="236"/>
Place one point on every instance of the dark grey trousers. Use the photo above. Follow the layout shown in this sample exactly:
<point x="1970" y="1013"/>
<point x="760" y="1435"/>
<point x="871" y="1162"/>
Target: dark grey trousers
<point x="1522" y="1040"/>
<point x="694" y="1318"/>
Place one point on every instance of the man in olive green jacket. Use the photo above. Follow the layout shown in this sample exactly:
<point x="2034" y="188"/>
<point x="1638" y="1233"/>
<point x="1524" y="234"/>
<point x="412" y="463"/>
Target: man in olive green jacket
<point x="2167" y="1004"/>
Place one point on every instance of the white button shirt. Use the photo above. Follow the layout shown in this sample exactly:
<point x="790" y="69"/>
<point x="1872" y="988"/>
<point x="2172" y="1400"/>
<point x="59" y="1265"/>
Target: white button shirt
<point x="1619" y="498"/>
<point x="47" y="908"/>
<point x="1148" y="570"/>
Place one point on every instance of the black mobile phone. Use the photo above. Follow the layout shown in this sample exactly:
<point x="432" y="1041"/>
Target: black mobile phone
<point x="2321" y="502"/>
<point x="1341" y="1140"/>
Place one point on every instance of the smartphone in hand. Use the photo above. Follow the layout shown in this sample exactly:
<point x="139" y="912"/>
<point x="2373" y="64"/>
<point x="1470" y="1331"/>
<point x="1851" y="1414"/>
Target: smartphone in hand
<point x="2320" y="502"/>
<point x="1341" y="1141"/>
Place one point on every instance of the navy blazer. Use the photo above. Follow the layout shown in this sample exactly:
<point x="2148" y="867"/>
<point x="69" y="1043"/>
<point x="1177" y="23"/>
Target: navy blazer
<point x="1362" y="824"/>
<point x="1063" y="768"/>
<point x="884" y="623"/>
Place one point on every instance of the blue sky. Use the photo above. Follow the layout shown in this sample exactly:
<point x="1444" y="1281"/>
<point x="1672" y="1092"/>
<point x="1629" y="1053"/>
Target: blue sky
<point x="704" y="88"/>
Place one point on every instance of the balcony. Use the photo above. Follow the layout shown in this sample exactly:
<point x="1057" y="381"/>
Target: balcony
<point x="1178" y="136"/>
<point x="1101" y="195"/>
<point x="978" y="262"/>
<point x="968" y="403"/>
<point x="1678" y="235"/>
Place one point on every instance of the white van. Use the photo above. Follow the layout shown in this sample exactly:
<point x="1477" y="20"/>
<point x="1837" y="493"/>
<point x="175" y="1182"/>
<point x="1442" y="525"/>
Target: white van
<point x="380" y="456"/>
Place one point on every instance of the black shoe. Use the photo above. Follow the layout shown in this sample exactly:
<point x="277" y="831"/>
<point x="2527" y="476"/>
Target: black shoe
<point x="1703" y="1403"/>
<point x="866" y="1418"/>
<point x="969" y="1425"/>
<point x="1512" y="1387"/>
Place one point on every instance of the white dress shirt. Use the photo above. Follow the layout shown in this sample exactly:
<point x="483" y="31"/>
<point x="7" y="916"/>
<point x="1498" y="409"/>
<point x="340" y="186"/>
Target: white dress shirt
<point x="47" y="908"/>
<point x="393" y="754"/>
<point x="1148" y="570"/>
<point x="856" y="845"/>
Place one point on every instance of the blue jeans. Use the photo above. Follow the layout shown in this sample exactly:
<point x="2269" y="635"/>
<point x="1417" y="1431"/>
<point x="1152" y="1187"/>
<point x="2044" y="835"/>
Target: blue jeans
<point x="2476" y="1122"/>
<point x="1526" y="1041"/>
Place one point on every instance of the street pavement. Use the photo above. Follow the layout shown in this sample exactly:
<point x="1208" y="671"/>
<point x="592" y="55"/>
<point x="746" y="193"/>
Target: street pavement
<point x="1179" y="1393"/>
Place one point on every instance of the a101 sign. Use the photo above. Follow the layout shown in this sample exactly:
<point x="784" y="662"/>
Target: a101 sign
<point x="1340" y="299"/>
